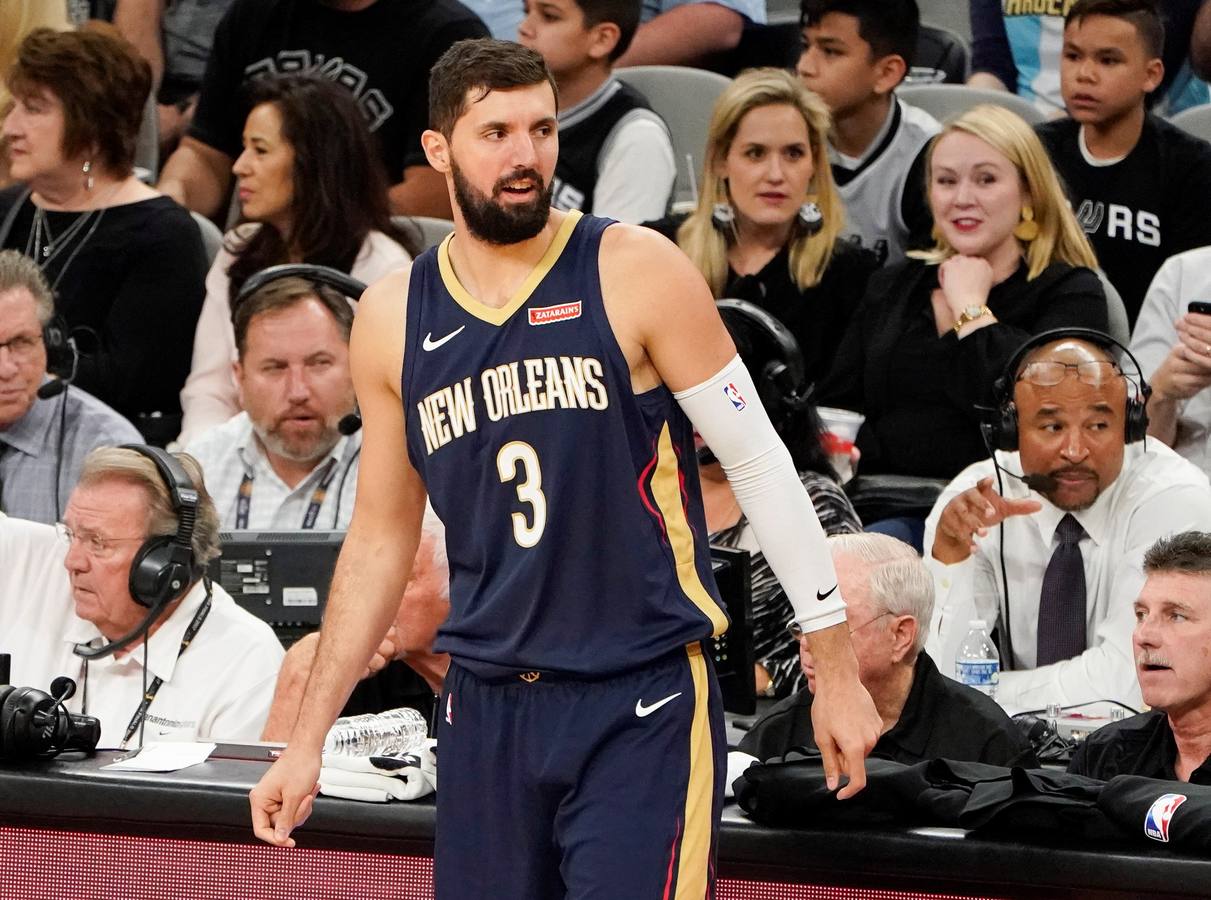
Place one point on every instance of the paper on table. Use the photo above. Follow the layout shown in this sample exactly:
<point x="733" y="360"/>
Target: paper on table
<point x="164" y="756"/>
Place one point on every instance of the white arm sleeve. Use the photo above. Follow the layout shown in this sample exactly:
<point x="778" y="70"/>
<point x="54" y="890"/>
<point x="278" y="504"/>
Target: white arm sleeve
<point x="728" y="414"/>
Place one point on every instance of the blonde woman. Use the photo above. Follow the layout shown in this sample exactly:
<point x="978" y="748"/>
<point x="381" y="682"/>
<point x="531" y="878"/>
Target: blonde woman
<point x="933" y="332"/>
<point x="767" y="222"/>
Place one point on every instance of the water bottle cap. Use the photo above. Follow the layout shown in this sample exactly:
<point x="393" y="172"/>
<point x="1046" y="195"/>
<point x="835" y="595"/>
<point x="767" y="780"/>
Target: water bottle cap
<point x="977" y="623"/>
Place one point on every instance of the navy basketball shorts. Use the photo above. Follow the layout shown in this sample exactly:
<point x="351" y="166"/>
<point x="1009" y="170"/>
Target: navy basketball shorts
<point x="589" y="790"/>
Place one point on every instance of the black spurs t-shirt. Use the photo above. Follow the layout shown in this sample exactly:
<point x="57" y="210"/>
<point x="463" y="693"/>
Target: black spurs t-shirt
<point x="1141" y="210"/>
<point x="382" y="54"/>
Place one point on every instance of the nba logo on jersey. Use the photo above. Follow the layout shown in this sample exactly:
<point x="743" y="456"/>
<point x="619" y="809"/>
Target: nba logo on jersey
<point x="733" y="394"/>
<point x="1156" y="823"/>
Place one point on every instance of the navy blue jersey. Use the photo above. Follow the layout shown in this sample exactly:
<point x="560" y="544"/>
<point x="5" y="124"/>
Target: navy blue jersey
<point x="574" y="522"/>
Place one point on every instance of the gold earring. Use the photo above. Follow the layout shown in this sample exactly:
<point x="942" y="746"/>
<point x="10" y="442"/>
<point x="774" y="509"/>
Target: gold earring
<point x="1027" y="229"/>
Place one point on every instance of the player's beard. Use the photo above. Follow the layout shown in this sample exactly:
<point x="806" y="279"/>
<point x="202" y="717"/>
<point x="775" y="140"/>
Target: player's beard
<point x="497" y="223"/>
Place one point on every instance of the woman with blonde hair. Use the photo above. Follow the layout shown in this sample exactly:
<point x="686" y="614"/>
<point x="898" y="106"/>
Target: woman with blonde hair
<point x="768" y="216"/>
<point x="933" y="332"/>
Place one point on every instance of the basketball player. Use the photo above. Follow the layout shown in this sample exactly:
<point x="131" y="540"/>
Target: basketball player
<point x="538" y="375"/>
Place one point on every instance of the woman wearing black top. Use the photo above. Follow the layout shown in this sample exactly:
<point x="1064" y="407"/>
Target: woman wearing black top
<point x="768" y="218"/>
<point x="933" y="333"/>
<point x="126" y="264"/>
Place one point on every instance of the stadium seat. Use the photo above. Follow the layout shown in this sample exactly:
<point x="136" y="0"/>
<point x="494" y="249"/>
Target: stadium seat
<point x="1196" y="121"/>
<point x="942" y="57"/>
<point x="945" y="101"/>
<point x="684" y="98"/>
<point x="427" y="231"/>
<point x="1118" y="325"/>
<point x="212" y="238"/>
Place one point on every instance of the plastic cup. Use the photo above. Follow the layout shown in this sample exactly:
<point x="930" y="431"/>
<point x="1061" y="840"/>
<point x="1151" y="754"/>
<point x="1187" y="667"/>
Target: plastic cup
<point x="840" y="431"/>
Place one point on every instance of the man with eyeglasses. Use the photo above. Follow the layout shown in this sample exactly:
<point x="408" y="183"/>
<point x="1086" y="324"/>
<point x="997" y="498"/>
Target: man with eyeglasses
<point x="1052" y="556"/>
<point x="888" y="601"/>
<point x="204" y="670"/>
<point x="43" y="442"/>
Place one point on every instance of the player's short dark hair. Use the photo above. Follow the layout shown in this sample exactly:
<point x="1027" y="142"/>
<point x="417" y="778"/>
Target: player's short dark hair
<point x="889" y="26"/>
<point x="283" y="293"/>
<point x="623" y="13"/>
<point x="482" y="64"/>
<point x="1188" y="552"/>
<point x="1143" y="14"/>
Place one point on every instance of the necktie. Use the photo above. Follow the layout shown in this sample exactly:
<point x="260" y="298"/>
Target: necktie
<point x="1062" y="600"/>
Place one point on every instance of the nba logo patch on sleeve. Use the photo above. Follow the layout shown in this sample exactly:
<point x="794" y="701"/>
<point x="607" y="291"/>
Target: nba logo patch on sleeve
<point x="1156" y="823"/>
<point x="733" y="395"/>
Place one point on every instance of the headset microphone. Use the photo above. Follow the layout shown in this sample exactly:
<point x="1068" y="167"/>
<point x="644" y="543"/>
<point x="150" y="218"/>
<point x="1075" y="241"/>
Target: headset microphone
<point x="1041" y="484"/>
<point x="90" y="653"/>
<point x="350" y="424"/>
<point x="58" y="350"/>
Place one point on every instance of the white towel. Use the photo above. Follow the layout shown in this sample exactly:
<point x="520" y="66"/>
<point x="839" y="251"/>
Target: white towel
<point x="377" y="779"/>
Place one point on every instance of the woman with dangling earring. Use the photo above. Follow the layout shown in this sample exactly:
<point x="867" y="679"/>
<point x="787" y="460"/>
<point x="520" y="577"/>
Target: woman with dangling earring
<point x="933" y="333"/>
<point x="126" y="264"/>
<point x="768" y="217"/>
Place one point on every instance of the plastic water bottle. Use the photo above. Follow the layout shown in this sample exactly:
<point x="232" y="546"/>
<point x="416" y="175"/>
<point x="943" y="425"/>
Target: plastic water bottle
<point x="389" y="733"/>
<point x="977" y="664"/>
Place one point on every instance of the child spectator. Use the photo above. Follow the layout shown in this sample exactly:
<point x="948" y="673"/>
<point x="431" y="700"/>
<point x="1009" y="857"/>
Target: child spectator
<point x="855" y="52"/>
<point x="1130" y="175"/>
<point x="615" y="155"/>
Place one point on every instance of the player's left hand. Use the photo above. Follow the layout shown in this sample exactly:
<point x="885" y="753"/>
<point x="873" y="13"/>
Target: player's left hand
<point x="844" y="718"/>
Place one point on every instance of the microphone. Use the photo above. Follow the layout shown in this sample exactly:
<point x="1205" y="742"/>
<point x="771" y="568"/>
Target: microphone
<point x="1039" y="483"/>
<point x="90" y="653"/>
<point x="57" y="386"/>
<point x="349" y="424"/>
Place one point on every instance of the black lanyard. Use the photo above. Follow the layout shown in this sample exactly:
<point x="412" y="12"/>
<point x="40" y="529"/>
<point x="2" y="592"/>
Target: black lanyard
<point x="154" y="688"/>
<point x="243" y="501"/>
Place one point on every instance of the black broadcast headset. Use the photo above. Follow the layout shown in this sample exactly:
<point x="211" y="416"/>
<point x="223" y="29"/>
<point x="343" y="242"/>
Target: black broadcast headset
<point x="1002" y="430"/>
<point x="165" y="564"/>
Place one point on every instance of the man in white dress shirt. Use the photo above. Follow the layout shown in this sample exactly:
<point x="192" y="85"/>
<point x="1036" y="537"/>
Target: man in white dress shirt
<point x="1072" y="546"/>
<point x="284" y="463"/>
<point x="209" y="666"/>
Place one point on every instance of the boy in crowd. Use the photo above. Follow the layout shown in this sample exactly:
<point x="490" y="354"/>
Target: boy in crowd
<point x="1130" y="175"/>
<point x="615" y="155"/>
<point x="855" y="52"/>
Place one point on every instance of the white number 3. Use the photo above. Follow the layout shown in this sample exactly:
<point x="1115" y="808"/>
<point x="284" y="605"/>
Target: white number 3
<point x="529" y="490"/>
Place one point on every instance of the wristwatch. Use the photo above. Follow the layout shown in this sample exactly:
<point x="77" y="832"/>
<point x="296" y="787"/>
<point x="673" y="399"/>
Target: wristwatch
<point x="970" y="314"/>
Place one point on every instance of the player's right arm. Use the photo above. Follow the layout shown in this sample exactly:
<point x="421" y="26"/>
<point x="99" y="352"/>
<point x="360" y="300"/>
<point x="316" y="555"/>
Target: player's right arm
<point x="373" y="566"/>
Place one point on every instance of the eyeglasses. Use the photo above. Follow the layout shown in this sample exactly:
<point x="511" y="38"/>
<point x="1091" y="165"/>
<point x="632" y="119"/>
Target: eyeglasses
<point x="795" y="630"/>
<point x="1048" y="373"/>
<point x="22" y="347"/>
<point x="94" y="544"/>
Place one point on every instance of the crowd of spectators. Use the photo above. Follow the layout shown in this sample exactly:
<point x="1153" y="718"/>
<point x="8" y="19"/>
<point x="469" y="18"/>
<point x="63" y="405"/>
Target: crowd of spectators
<point x="952" y="282"/>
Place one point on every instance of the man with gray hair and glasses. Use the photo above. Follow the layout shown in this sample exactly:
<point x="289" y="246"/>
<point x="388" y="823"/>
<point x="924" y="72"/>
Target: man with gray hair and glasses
<point x="46" y="428"/>
<point x="889" y="602"/>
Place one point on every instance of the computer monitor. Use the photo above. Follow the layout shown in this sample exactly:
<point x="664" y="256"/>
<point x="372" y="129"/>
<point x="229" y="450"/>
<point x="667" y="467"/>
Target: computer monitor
<point x="732" y="652"/>
<point x="281" y="577"/>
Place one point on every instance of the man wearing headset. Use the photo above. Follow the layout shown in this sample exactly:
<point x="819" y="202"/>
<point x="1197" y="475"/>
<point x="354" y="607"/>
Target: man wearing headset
<point x="208" y="666"/>
<point x="1055" y="564"/>
<point x="284" y="462"/>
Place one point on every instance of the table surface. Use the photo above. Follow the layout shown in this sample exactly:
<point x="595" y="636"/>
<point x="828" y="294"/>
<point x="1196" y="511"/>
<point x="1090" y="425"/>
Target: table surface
<point x="210" y="802"/>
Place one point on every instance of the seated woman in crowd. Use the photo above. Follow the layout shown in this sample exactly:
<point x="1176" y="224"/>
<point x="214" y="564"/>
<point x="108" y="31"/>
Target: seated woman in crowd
<point x="933" y="333"/>
<point x="311" y="190"/>
<point x="768" y="218"/>
<point x="126" y="264"/>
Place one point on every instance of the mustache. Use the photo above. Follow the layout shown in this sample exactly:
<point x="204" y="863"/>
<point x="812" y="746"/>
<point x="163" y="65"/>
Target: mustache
<point x="1083" y="471"/>
<point x="1152" y="658"/>
<point x="519" y="175"/>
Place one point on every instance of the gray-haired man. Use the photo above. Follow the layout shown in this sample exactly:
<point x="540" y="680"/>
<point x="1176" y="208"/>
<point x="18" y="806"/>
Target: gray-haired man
<point x="43" y="442"/>
<point x="889" y="601"/>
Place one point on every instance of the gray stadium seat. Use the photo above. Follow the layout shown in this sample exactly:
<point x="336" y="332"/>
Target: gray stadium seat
<point x="945" y="101"/>
<point x="425" y="230"/>
<point x="942" y="56"/>
<point x="1196" y="121"/>
<point x="212" y="238"/>
<point x="1119" y="326"/>
<point x="684" y="98"/>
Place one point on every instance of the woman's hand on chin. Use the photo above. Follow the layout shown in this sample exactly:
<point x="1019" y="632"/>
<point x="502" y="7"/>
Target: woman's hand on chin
<point x="965" y="281"/>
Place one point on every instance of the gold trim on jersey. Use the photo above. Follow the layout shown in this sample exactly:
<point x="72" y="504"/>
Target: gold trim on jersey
<point x="694" y="863"/>
<point x="666" y="491"/>
<point x="493" y="315"/>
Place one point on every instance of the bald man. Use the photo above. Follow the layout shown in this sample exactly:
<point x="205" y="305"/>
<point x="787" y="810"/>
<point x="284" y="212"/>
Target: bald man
<point x="1071" y="547"/>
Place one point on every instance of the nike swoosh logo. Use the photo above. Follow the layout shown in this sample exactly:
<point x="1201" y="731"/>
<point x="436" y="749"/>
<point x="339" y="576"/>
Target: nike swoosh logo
<point x="430" y="344"/>
<point x="645" y="711"/>
<point x="824" y="596"/>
